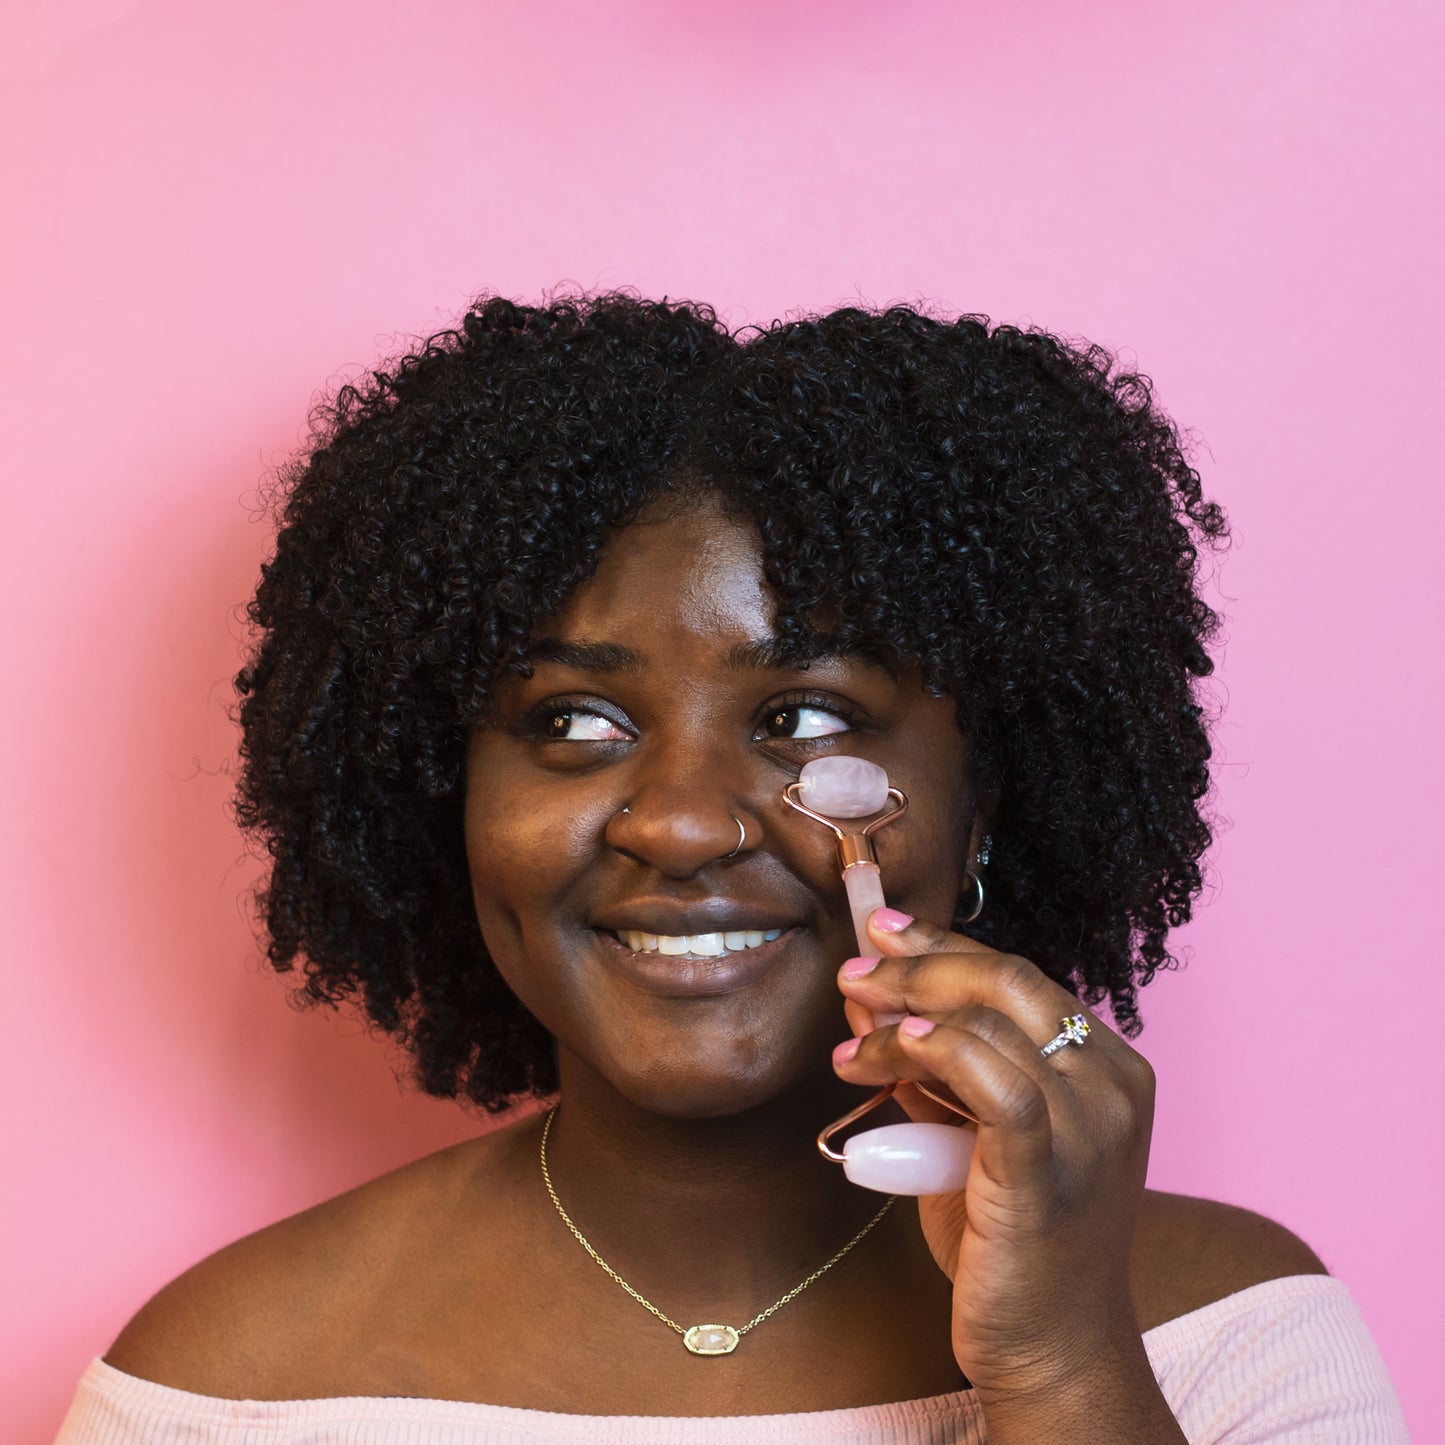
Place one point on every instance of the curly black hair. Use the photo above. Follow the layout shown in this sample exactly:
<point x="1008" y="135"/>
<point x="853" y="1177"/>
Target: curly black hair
<point x="1010" y="512"/>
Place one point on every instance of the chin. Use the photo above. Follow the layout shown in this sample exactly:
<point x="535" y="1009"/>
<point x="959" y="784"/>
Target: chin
<point x="688" y="1089"/>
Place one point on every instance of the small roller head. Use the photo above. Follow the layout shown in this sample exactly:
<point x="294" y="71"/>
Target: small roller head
<point x="844" y="787"/>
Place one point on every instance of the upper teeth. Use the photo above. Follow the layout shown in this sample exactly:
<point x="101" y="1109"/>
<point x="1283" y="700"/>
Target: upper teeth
<point x="707" y="945"/>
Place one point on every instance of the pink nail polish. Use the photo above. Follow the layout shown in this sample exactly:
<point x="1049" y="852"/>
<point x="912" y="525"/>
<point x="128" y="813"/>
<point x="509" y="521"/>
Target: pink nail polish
<point x="890" y="920"/>
<point x="916" y="1027"/>
<point x="846" y="1050"/>
<point x="859" y="967"/>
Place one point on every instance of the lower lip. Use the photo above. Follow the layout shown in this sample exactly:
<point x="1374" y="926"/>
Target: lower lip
<point x="673" y="975"/>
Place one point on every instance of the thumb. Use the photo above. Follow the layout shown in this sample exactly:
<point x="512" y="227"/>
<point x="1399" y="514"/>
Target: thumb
<point x="899" y="935"/>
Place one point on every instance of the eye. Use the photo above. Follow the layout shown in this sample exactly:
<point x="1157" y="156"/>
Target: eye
<point x="574" y="725"/>
<point x="799" y="721"/>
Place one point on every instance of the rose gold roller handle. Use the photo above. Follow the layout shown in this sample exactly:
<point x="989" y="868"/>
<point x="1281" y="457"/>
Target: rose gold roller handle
<point x="910" y="1159"/>
<point x="865" y="893"/>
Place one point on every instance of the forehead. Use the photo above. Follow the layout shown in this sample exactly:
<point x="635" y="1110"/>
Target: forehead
<point x="687" y="572"/>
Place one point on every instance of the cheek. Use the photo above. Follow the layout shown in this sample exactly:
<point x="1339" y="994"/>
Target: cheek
<point x="932" y="860"/>
<point x="518" y="870"/>
<point x="522" y="856"/>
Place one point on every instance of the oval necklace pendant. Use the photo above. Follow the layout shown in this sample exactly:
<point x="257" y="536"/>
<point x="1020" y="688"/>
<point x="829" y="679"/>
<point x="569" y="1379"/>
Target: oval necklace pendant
<point x="711" y="1339"/>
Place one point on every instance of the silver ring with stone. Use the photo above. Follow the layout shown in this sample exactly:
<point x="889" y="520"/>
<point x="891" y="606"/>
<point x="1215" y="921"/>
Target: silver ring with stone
<point x="1072" y="1030"/>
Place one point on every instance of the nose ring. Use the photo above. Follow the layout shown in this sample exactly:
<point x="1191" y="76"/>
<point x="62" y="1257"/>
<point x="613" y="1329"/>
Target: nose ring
<point x="742" y="837"/>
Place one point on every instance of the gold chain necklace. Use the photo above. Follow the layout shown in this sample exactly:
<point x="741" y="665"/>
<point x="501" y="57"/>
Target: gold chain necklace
<point x="700" y="1339"/>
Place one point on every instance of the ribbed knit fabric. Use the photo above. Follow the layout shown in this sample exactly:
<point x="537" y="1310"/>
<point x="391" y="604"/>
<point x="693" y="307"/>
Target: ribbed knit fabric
<point x="1288" y="1360"/>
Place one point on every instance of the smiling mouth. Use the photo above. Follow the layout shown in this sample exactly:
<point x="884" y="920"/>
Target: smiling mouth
<point x="696" y="945"/>
<point x="697" y="965"/>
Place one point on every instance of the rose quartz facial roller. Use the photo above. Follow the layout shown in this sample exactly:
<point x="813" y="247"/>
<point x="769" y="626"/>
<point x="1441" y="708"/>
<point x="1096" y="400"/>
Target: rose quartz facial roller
<point x="898" y="1158"/>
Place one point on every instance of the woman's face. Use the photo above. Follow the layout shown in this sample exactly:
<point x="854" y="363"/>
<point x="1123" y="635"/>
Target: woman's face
<point x="598" y="809"/>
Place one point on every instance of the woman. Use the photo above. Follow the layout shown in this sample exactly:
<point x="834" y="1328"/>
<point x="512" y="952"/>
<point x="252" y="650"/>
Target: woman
<point x="559" y="606"/>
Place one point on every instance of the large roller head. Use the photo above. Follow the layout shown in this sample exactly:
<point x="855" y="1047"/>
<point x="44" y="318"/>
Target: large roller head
<point x="841" y="787"/>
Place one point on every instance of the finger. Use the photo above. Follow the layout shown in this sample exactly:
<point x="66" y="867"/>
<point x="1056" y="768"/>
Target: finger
<point x="898" y="933"/>
<point x="1016" y="1129"/>
<point x="861" y="1019"/>
<point x="937" y="982"/>
<point x="881" y="1058"/>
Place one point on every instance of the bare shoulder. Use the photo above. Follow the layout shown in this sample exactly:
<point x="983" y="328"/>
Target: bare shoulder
<point x="1189" y="1252"/>
<point x="285" y="1312"/>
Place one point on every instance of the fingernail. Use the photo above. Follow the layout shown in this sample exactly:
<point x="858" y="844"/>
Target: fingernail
<point x="859" y="967"/>
<point x="846" y="1050"/>
<point x="882" y="1021"/>
<point x="915" y="1027"/>
<point x="890" y="920"/>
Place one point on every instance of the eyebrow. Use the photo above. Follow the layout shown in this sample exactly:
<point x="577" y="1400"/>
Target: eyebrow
<point x="773" y="654"/>
<point x="763" y="654"/>
<point x="603" y="657"/>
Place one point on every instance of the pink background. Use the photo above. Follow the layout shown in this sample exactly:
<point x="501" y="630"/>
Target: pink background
<point x="214" y="209"/>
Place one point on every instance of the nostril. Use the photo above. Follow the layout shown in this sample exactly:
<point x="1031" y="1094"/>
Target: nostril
<point x="682" y="839"/>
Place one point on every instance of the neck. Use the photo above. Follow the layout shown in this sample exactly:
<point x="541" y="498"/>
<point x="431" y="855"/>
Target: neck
<point x="711" y="1213"/>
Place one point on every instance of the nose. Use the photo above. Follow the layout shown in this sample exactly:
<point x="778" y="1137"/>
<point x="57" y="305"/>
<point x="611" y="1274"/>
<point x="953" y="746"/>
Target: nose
<point x="680" y="821"/>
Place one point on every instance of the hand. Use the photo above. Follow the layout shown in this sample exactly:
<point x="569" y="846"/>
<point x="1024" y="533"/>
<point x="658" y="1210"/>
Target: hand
<point x="1038" y="1243"/>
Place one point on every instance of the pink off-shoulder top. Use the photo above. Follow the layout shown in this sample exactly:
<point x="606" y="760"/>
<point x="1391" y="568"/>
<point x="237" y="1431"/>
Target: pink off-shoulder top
<point x="1288" y="1360"/>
